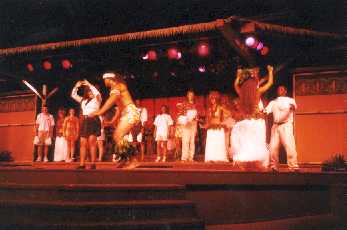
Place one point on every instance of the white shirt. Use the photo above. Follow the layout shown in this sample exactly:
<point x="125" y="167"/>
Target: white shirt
<point x="143" y="115"/>
<point x="281" y="109"/>
<point x="162" y="122"/>
<point x="44" y="121"/>
<point x="88" y="106"/>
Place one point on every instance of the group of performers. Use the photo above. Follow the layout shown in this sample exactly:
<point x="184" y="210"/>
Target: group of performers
<point x="235" y="130"/>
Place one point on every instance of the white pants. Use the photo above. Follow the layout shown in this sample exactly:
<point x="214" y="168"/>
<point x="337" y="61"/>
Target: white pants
<point x="283" y="134"/>
<point x="188" y="141"/>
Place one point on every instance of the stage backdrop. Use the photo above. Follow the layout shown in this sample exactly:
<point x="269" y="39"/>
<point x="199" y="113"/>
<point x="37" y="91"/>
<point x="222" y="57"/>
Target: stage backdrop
<point x="321" y="118"/>
<point x="17" y="120"/>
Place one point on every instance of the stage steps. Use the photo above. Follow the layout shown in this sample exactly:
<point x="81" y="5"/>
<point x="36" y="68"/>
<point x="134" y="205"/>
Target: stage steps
<point x="111" y="206"/>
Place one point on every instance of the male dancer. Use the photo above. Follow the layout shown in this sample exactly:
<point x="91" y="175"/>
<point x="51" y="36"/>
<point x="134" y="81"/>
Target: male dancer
<point x="282" y="109"/>
<point x="127" y="115"/>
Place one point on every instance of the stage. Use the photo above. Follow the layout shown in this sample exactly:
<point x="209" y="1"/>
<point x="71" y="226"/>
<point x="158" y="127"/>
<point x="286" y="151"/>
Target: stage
<point x="177" y="194"/>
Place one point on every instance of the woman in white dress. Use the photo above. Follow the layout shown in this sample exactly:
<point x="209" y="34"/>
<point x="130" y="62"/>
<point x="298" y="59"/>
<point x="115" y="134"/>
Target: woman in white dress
<point x="248" y="136"/>
<point x="215" y="150"/>
<point x="60" y="148"/>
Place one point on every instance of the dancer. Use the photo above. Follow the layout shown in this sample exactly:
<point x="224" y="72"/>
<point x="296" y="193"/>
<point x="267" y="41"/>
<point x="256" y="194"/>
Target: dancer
<point x="44" y="133"/>
<point x="190" y="128"/>
<point x="282" y="109"/>
<point x="60" y="149"/>
<point x="71" y="129"/>
<point x="215" y="150"/>
<point x="228" y="121"/>
<point x="162" y="123"/>
<point x="248" y="136"/>
<point x="140" y="137"/>
<point x="101" y="139"/>
<point x="127" y="115"/>
<point x="90" y="127"/>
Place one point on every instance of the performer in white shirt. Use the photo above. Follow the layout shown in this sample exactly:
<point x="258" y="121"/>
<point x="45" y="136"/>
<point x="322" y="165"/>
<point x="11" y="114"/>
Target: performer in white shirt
<point x="91" y="126"/>
<point x="189" y="129"/>
<point x="282" y="109"/>
<point x="162" y="123"/>
<point x="44" y="133"/>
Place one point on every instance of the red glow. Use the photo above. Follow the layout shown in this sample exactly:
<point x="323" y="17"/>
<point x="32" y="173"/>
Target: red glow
<point x="264" y="51"/>
<point x="47" y="65"/>
<point x="203" y="49"/>
<point x="66" y="64"/>
<point x="30" y="67"/>
<point x="152" y="55"/>
<point x="173" y="53"/>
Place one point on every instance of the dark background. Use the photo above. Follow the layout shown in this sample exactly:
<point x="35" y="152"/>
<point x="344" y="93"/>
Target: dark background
<point x="41" y="21"/>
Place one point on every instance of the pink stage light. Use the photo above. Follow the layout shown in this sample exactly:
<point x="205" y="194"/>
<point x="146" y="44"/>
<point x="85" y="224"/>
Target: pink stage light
<point x="260" y="46"/>
<point x="202" y="69"/>
<point x="250" y="41"/>
<point x="47" y="65"/>
<point x="30" y="67"/>
<point x="203" y="49"/>
<point x="66" y="64"/>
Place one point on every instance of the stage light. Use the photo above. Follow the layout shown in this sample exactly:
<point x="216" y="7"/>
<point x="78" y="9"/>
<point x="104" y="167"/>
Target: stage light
<point x="152" y="55"/>
<point x="260" y="46"/>
<point x="250" y="41"/>
<point x="264" y="51"/>
<point x="203" y="49"/>
<point x="47" y="65"/>
<point x="173" y="53"/>
<point x="66" y="64"/>
<point x="30" y="67"/>
<point x="145" y="57"/>
<point x="202" y="69"/>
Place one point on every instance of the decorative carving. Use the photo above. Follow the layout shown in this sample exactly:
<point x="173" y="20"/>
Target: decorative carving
<point x="320" y="85"/>
<point x="17" y="104"/>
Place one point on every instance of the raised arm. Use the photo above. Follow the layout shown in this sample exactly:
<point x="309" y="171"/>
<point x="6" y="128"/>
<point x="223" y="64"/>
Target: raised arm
<point x="114" y="95"/>
<point x="269" y="82"/>
<point x="94" y="90"/>
<point x="237" y="81"/>
<point x="74" y="94"/>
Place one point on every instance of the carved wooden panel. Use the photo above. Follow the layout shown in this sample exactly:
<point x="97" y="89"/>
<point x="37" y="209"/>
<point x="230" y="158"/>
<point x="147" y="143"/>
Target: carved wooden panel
<point x="17" y="104"/>
<point x="320" y="85"/>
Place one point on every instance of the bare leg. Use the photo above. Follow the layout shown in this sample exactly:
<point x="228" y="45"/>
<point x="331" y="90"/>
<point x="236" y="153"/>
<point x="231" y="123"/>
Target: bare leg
<point x="72" y="154"/>
<point x="122" y="129"/>
<point x="39" y="152"/>
<point x="46" y="151"/>
<point x="68" y="150"/>
<point x="92" y="148"/>
<point x="101" y="149"/>
<point x="164" y="150"/>
<point x="83" y="150"/>
<point x="142" y="150"/>
<point x="158" y="151"/>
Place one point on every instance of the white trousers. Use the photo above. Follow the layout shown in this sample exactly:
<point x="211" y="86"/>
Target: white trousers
<point x="283" y="134"/>
<point x="188" y="141"/>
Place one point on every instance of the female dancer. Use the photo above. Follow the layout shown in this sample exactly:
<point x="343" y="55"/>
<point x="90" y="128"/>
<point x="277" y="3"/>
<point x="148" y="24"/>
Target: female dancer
<point x="71" y="132"/>
<point x="90" y="127"/>
<point x="248" y="136"/>
<point x="215" y="150"/>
